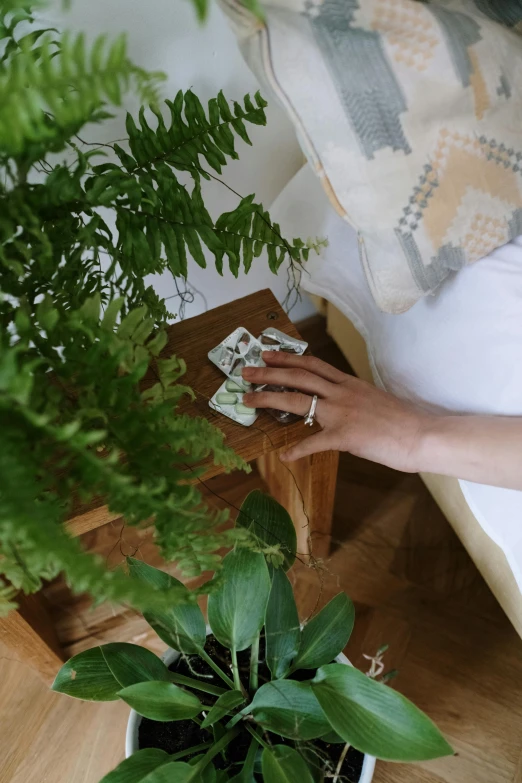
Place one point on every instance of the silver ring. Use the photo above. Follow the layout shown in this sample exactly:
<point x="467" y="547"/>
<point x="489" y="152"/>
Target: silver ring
<point x="310" y="416"/>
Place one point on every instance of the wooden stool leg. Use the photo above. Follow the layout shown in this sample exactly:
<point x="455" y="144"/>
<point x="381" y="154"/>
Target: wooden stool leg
<point x="29" y="633"/>
<point x="316" y="478"/>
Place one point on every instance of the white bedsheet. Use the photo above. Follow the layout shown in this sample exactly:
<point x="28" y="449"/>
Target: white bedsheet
<point x="460" y="350"/>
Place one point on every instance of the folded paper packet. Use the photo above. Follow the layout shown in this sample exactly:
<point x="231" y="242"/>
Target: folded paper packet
<point x="241" y="349"/>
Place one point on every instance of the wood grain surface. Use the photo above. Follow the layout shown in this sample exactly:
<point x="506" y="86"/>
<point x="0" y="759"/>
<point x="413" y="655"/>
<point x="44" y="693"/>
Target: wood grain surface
<point x="31" y="632"/>
<point x="414" y="587"/>
<point x="306" y="488"/>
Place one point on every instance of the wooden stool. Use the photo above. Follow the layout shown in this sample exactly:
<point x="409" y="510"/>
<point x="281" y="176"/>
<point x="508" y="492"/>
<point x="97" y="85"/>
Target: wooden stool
<point x="307" y="489"/>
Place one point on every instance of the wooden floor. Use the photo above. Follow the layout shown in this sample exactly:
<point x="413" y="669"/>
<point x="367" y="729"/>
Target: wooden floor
<point x="414" y="587"/>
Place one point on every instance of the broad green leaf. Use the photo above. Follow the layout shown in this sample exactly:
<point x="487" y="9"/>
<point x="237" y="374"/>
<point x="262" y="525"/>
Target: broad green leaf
<point x="282" y="764"/>
<point x="236" y="608"/>
<point x="137" y="767"/>
<point x="87" y="676"/>
<point x="223" y="706"/>
<point x="374" y="718"/>
<point x="326" y="635"/>
<point x="333" y="738"/>
<point x="270" y="523"/>
<point x="183" y="625"/>
<point x="131" y="663"/>
<point x="175" y="772"/>
<point x="161" y="701"/>
<point x="282" y="630"/>
<point x="246" y="774"/>
<point x="289" y="708"/>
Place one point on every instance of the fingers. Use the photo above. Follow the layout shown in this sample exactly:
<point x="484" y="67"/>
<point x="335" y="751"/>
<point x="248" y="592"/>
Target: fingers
<point x="312" y="445"/>
<point x="293" y="402"/>
<point x="309" y="363"/>
<point x="292" y="378"/>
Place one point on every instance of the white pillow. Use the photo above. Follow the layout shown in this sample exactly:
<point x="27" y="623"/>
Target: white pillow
<point x="410" y="114"/>
<point x="459" y="350"/>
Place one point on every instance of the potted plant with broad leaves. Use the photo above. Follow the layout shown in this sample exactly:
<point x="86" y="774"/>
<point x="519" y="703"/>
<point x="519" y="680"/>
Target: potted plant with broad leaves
<point x="254" y="696"/>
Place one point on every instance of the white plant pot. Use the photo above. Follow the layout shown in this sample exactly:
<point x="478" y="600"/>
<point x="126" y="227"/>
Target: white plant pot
<point x="168" y="657"/>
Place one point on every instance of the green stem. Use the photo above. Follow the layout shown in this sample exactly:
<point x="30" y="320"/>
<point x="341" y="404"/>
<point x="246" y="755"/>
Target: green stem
<point x="248" y="767"/>
<point x="259" y="739"/>
<point x="254" y="665"/>
<point x="180" y="679"/>
<point x="217" y="669"/>
<point x="198" y="721"/>
<point x="235" y="670"/>
<point x="216" y="748"/>
<point x="188" y="751"/>
<point x="237" y="717"/>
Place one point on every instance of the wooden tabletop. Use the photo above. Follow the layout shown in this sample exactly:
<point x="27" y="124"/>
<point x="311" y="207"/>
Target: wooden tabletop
<point x="192" y="339"/>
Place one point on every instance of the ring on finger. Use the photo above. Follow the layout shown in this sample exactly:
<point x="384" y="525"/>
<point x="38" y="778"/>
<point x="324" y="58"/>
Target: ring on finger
<point x="310" y="416"/>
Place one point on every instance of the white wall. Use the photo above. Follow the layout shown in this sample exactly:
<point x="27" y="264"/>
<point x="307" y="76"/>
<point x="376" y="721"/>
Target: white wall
<point x="164" y="35"/>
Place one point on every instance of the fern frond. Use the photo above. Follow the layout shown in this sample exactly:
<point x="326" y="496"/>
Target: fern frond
<point x="18" y="6"/>
<point x="159" y="218"/>
<point x="31" y="530"/>
<point x="248" y="230"/>
<point x="49" y="89"/>
<point x="140" y="468"/>
<point x="192" y="133"/>
<point x="80" y="325"/>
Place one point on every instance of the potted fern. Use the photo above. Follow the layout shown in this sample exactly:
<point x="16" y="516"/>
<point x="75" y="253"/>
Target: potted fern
<point x="253" y="696"/>
<point x="85" y="224"/>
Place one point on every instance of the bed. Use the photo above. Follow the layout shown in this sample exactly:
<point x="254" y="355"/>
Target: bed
<point x="460" y="350"/>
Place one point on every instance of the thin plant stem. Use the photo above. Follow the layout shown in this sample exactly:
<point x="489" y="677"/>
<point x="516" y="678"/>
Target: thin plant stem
<point x="254" y="665"/>
<point x="248" y="767"/>
<point x="235" y="670"/>
<point x="341" y="761"/>
<point x="197" y="720"/>
<point x="189" y="682"/>
<point x="194" y="749"/>
<point x="217" y="669"/>
<point x="237" y="717"/>
<point x="216" y="748"/>
<point x="259" y="739"/>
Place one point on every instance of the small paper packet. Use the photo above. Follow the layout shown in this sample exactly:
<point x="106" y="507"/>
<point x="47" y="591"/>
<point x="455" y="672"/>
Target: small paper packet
<point x="237" y="351"/>
<point x="274" y="340"/>
<point x="228" y="400"/>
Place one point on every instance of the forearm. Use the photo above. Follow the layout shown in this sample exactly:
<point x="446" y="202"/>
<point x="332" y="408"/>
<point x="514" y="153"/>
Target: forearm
<point x="485" y="449"/>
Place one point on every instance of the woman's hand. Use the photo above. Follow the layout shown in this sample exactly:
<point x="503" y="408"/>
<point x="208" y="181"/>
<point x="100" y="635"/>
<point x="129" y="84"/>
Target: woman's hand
<point x="354" y="415"/>
<point x="373" y="424"/>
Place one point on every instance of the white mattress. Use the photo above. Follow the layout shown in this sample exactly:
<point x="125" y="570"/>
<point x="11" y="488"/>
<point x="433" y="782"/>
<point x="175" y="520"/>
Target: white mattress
<point x="460" y="350"/>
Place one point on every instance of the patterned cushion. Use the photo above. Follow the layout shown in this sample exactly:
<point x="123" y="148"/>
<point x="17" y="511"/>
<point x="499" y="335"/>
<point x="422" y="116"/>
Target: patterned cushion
<point x="411" y="114"/>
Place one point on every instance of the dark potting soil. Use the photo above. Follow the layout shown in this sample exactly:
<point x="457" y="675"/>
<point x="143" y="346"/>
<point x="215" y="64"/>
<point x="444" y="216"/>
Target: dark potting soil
<point x="176" y="736"/>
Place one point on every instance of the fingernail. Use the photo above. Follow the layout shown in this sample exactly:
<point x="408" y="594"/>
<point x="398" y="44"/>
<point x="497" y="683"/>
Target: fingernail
<point x="284" y="457"/>
<point x="247" y="372"/>
<point x="267" y="355"/>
